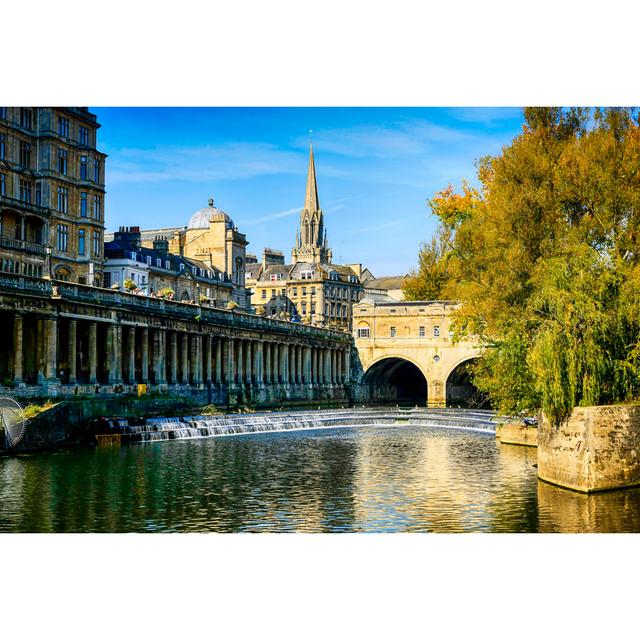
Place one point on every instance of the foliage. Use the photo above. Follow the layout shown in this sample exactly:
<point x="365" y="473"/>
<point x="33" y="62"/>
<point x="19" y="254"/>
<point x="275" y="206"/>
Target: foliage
<point x="231" y="305"/>
<point x="210" y="410"/>
<point x="32" y="410"/>
<point x="545" y="257"/>
<point x="129" y="284"/>
<point x="167" y="293"/>
<point x="260" y="311"/>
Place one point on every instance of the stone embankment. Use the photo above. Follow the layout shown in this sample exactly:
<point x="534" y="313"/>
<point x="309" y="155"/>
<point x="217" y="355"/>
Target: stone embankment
<point x="595" y="449"/>
<point x="517" y="433"/>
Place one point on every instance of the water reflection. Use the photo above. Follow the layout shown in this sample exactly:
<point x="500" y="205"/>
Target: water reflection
<point x="369" y="479"/>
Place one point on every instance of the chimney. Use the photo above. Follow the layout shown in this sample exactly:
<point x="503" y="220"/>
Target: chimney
<point x="130" y="235"/>
<point x="161" y="245"/>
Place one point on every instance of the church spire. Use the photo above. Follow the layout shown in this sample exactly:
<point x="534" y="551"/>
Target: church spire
<point x="311" y="202"/>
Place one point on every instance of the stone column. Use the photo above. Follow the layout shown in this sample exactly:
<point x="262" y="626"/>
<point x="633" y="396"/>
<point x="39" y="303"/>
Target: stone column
<point x="159" y="367"/>
<point x="284" y="363"/>
<point x="307" y="365"/>
<point x="184" y="363"/>
<point x="196" y="360"/>
<point x="131" y="355"/>
<point x="276" y="362"/>
<point x="257" y="362"/>
<point x="51" y="351"/>
<point x="293" y="370"/>
<point x="334" y="368"/>
<point x="207" y="357"/>
<point x="327" y="366"/>
<point x="240" y="363"/>
<point x="267" y="362"/>
<point x="229" y="360"/>
<point x="110" y="355"/>
<point x="18" y="350"/>
<point x="93" y="353"/>
<point x="218" y="360"/>
<point x="144" y="353"/>
<point x="173" y="357"/>
<point x="72" y="350"/>
<point x="347" y="365"/>
<point x="249" y="348"/>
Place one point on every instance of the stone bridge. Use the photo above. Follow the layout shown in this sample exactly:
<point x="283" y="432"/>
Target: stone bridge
<point x="62" y="339"/>
<point x="406" y="350"/>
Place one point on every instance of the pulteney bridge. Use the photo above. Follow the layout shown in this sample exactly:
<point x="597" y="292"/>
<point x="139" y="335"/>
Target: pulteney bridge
<point x="406" y="351"/>
<point x="64" y="339"/>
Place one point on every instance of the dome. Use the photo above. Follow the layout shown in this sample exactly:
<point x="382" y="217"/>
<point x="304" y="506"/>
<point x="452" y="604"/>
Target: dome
<point x="201" y="218"/>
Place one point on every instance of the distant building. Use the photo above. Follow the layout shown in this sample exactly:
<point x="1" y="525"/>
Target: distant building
<point x="155" y="271"/>
<point x="311" y="289"/>
<point x="386" y="289"/>
<point x="211" y="240"/>
<point x="51" y="193"/>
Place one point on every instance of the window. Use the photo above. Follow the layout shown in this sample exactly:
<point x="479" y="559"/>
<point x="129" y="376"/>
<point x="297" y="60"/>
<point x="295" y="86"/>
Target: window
<point x="62" y="161"/>
<point x="167" y="264"/>
<point x="304" y="291"/>
<point x="436" y="331"/>
<point x="392" y="332"/>
<point x="148" y="261"/>
<point x="96" y="170"/>
<point x="283" y="293"/>
<point x="63" y="127"/>
<point x="38" y="194"/>
<point x="2" y="147"/>
<point x="313" y="291"/>
<point x="26" y="118"/>
<point x="25" y="190"/>
<point x="96" y="243"/>
<point x="421" y="332"/>
<point x="313" y="308"/>
<point x="264" y="294"/>
<point x="3" y="184"/>
<point x="273" y="293"/>
<point x="3" y="113"/>
<point x="294" y="292"/>
<point x="63" y="199"/>
<point x="158" y="262"/>
<point x="84" y="136"/>
<point x="81" y="248"/>
<point x="83" y="167"/>
<point x="97" y="208"/>
<point x="363" y="332"/>
<point x="83" y="204"/>
<point x="304" y="308"/>
<point x="107" y="279"/>
<point x="132" y="254"/>
<point x="63" y="237"/>
<point x="25" y="154"/>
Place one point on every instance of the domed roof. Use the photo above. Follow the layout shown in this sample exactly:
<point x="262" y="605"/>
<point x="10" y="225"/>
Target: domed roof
<point x="201" y="218"/>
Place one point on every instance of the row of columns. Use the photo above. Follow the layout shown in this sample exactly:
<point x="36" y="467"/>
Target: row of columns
<point x="133" y="354"/>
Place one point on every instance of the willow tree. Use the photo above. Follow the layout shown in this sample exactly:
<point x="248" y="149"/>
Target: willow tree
<point x="545" y="257"/>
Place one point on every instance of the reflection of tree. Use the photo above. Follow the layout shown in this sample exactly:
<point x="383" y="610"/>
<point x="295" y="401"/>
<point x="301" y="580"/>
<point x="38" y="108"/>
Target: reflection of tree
<point x="564" y="511"/>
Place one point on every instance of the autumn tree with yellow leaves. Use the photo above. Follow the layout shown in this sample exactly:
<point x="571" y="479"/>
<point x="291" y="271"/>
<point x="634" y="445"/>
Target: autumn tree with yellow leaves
<point x="545" y="257"/>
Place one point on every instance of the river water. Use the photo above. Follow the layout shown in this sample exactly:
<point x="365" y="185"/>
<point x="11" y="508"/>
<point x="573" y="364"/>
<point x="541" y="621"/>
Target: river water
<point x="367" y="479"/>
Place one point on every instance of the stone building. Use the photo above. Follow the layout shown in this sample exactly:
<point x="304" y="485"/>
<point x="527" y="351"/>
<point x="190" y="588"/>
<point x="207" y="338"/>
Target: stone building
<point x="408" y="347"/>
<point x="312" y="289"/>
<point x="388" y="288"/>
<point x="51" y="193"/>
<point x="212" y="239"/>
<point x="157" y="272"/>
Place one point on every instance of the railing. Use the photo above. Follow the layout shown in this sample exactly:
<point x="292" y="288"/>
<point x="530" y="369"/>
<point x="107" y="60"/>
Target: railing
<point x="183" y="310"/>
<point x="21" y="205"/>
<point x="22" y="245"/>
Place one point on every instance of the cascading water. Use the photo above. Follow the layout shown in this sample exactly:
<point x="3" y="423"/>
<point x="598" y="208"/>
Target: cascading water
<point x="191" y="427"/>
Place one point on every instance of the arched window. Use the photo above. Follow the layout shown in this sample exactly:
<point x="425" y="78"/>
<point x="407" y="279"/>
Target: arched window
<point x="306" y="232"/>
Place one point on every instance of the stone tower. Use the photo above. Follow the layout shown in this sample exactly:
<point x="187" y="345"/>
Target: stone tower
<point x="311" y="237"/>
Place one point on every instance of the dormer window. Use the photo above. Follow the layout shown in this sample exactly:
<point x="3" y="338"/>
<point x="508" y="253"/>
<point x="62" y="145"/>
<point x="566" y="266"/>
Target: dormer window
<point x="167" y="264"/>
<point x="132" y="254"/>
<point x="158" y="262"/>
<point x="148" y="261"/>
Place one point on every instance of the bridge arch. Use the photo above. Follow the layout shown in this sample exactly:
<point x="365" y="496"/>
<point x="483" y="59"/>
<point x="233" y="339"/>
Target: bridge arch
<point x="460" y="389"/>
<point x="401" y="373"/>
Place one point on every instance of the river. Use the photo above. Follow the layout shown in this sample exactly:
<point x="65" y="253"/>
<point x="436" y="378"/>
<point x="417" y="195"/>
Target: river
<point x="366" y="479"/>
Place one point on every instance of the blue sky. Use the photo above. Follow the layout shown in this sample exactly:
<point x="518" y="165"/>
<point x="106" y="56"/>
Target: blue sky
<point x="376" y="168"/>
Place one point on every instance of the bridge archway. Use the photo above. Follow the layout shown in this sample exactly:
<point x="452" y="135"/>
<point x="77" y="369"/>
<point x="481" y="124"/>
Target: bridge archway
<point x="406" y="377"/>
<point x="460" y="389"/>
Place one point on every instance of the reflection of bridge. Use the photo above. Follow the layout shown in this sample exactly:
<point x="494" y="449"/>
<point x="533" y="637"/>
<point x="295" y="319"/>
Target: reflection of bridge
<point x="406" y="348"/>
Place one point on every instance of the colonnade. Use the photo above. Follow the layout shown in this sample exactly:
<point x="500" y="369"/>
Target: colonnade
<point x="72" y="350"/>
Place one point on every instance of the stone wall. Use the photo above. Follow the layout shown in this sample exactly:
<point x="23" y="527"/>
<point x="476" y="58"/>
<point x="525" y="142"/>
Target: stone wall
<point x="595" y="449"/>
<point x="517" y="433"/>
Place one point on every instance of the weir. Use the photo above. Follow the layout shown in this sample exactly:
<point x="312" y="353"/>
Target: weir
<point x="192" y="427"/>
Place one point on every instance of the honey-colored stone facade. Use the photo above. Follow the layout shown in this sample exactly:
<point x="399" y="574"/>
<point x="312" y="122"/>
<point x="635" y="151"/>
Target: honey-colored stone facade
<point x="416" y="332"/>
<point x="51" y="193"/>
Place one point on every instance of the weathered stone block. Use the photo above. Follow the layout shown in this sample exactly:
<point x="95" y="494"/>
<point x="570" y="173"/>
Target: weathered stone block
<point x="517" y="433"/>
<point x="595" y="449"/>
